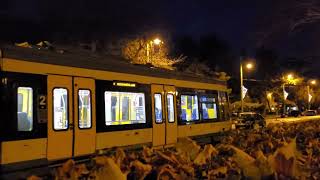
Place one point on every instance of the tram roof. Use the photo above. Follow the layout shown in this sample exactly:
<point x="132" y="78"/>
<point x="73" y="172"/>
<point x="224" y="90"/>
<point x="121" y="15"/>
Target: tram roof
<point x="85" y="59"/>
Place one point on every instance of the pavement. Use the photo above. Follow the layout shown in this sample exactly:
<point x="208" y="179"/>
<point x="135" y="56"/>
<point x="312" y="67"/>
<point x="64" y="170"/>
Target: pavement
<point x="274" y="119"/>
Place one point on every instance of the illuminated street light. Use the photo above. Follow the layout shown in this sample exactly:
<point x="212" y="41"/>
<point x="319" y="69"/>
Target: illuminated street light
<point x="313" y="82"/>
<point x="290" y="76"/>
<point x="269" y="95"/>
<point x="157" y="41"/>
<point x="249" y="66"/>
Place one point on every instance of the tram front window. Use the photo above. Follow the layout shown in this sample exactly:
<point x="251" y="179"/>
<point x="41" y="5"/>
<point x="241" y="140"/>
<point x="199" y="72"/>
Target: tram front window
<point x="124" y="108"/>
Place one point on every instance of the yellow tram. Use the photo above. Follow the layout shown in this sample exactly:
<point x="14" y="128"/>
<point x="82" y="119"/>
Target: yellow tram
<point x="58" y="106"/>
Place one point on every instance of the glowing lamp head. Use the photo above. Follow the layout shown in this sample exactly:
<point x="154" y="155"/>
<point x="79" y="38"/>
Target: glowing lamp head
<point x="290" y="76"/>
<point x="157" y="41"/>
<point x="313" y="82"/>
<point x="269" y="95"/>
<point x="249" y="66"/>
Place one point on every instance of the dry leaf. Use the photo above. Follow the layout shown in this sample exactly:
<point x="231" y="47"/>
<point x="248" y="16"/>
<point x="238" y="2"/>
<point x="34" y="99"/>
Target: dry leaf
<point x="142" y="170"/>
<point x="284" y="160"/>
<point x="167" y="172"/>
<point x="189" y="147"/>
<point x="205" y="155"/>
<point x="110" y="170"/>
<point x="120" y="155"/>
<point x="246" y="163"/>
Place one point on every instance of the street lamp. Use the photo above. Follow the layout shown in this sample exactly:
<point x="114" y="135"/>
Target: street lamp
<point x="248" y="66"/>
<point x="155" y="41"/>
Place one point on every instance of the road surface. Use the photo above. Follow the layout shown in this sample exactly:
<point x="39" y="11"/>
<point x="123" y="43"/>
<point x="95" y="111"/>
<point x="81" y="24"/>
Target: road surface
<point x="291" y="119"/>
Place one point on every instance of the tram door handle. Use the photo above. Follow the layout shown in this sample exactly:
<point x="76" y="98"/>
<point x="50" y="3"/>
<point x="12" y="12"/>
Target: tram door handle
<point x="71" y="126"/>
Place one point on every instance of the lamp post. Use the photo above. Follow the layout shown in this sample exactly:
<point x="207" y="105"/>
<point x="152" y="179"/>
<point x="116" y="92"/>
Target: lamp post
<point x="241" y="86"/>
<point x="155" y="41"/>
<point x="284" y="99"/>
<point x="248" y="66"/>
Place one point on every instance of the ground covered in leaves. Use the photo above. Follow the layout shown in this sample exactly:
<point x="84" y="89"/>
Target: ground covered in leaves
<point x="280" y="151"/>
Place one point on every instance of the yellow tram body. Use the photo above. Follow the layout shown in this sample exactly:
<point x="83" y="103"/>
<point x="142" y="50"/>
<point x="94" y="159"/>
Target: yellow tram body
<point x="70" y="140"/>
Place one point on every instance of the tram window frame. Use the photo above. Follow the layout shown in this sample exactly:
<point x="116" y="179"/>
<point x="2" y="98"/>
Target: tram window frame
<point x="68" y="124"/>
<point x="90" y="109"/>
<point x="105" y="85"/>
<point x="215" y="102"/>
<point x="123" y="92"/>
<point x="28" y="104"/>
<point x="174" y="112"/>
<point x="180" y="109"/>
<point x="155" y="115"/>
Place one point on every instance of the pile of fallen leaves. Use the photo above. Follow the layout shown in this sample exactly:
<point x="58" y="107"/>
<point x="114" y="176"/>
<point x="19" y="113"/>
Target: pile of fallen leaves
<point x="281" y="151"/>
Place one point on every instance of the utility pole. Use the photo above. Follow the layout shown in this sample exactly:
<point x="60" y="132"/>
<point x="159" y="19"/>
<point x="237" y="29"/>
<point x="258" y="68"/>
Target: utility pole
<point x="308" y="94"/>
<point x="284" y="99"/>
<point x="241" y="84"/>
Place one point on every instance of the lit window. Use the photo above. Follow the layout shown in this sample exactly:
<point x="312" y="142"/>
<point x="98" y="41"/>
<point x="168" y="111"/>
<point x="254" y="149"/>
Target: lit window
<point x="84" y="109"/>
<point x="158" y="107"/>
<point x="209" y="107"/>
<point x="124" y="108"/>
<point x="189" y="108"/>
<point x="24" y="108"/>
<point x="170" y="106"/>
<point x="60" y="109"/>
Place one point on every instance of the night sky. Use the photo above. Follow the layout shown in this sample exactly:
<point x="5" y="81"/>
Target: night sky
<point x="237" y="22"/>
<point x="232" y="20"/>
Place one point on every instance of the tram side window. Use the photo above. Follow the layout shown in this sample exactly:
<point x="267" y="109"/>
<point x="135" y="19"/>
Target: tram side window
<point x="124" y="108"/>
<point x="170" y="106"/>
<point x="209" y="107"/>
<point x="25" y="108"/>
<point x="189" y="108"/>
<point x="84" y="100"/>
<point x="158" y="107"/>
<point x="60" y="109"/>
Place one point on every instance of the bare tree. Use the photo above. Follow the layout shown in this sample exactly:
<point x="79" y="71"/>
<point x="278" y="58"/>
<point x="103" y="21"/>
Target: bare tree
<point x="286" y="17"/>
<point x="309" y="13"/>
<point x="136" y="50"/>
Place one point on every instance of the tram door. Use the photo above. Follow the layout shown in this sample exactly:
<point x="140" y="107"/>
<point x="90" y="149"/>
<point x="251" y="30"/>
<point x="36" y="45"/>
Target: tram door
<point x="84" y="116"/>
<point x="164" y="116"/>
<point x="171" y="115"/>
<point x="71" y="121"/>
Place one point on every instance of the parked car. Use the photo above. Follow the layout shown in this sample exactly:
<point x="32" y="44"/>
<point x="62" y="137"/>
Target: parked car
<point x="249" y="120"/>
<point x="294" y="113"/>
<point x="309" y="113"/>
